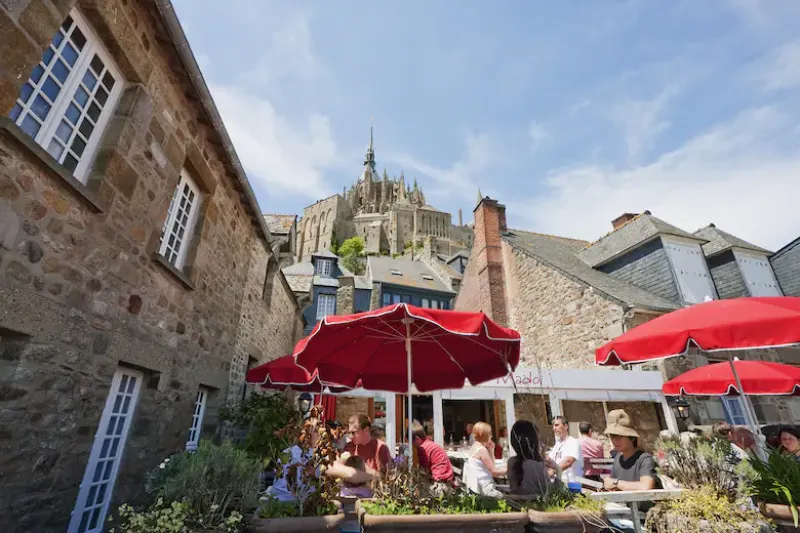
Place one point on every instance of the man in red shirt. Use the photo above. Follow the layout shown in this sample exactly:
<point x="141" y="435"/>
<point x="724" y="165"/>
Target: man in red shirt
<point x="590" y="449"/>
<point x="374" y="452"/>
<point x="432" y="459"/>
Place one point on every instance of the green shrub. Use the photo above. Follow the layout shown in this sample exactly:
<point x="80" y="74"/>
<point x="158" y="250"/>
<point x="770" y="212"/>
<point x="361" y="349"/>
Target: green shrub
<point x="701" y="462"/>
<point x="272" y="508"/>
<point x="173" y="518"/>
<point x="776" y="480"/>
<point x="264" y="417"/>
<point x="214" y="482"/>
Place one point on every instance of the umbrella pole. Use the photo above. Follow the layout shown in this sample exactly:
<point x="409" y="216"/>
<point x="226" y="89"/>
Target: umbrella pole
<point x="749" y="409"/>
<point x="408" y="322"/>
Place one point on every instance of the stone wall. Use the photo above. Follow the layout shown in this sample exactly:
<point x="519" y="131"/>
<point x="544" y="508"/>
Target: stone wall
<point x="320" y="222"/>
<point x="533" y="407"/>
<point x="561" y="320"/>
<point x="82" y="290"/>
<point x="347" y="406"/>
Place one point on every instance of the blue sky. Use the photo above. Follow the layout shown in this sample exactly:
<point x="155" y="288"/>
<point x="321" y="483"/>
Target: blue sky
<point x="570" y="113"/>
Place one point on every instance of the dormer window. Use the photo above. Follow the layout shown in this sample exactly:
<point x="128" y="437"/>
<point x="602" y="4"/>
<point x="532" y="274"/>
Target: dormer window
<point x="324" y="267"/>
<point x="691" y="271"/>
<point x="757" y="274"/>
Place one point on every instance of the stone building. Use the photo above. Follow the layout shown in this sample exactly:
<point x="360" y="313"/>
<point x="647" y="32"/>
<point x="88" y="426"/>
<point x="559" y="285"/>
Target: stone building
<point x="786" y="264"/>
<point x="283" y="229"/>
<point x="137" y="275"/>
<point x="568" y="297"/>
<point x="387" y="213"/>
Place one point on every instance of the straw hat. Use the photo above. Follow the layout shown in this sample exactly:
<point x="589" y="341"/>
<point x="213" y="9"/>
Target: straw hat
<point x="619" y="423"/>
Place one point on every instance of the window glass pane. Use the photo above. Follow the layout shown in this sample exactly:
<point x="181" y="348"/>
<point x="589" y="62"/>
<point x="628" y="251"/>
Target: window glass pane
<point x="55" y="149"/>
<point x="89" y="80"/>
<point x="48" y="56"/>
<point x="51" y="89"/>
<point x="94" y="112"/>
<point x="60" y="70"/>
<point x="15" y="111"/>
<point x="81" y="97"/>
<point x="67" y="24"/>
<point x="40" y="107"/>
<point x="108" y="81"/>
<point x="78" y="145"/>
<point x="69" y="54"/>
<point x="97" y="64"/>
<point x="86" y="128"/>
<point x="73" y="113"/>
<point x="26" y="92"/>
<point x="78" y="38"/>
<point x="70" y="163"/>
<point x="101" y="96"/>
<point x="36" y="75"/>
<point x="64" y="131"/>
<point x="30" y="125"/>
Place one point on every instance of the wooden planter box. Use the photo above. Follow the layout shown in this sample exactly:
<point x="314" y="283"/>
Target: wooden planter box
<point x="305" y="524"/>
<point x="441" y="523"/>
<point x="565" y="522"/>
<point x="780" y="514"/>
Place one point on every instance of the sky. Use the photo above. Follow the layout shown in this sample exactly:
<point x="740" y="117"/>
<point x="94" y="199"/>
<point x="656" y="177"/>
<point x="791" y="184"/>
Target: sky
<point x="569" y="113"/>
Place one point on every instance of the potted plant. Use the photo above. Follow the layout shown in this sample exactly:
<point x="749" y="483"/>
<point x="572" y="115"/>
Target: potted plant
<point x="559" y="511"/>
<point x="314" y="506"/>
<point x="775" y="485"/>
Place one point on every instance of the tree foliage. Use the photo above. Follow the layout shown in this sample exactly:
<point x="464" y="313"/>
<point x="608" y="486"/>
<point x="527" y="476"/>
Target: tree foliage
<point x="352" y="246"/>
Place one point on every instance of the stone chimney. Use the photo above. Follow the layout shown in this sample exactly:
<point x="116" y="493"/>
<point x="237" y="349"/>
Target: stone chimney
<point x="460" y="218"/>
<point x="345" y="295"/>
<point x="623" y="219"/>
<point x="483" y="287"/>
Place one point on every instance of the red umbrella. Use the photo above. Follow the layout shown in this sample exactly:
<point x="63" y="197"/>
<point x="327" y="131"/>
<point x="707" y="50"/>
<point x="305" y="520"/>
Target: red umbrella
<point x="283" y="372"/>
<point x="758" y="378"/>
<point x="396" y="346"/>
<point x="719" y="325"/>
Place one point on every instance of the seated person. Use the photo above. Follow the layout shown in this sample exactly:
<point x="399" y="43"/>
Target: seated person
<point x="527" y="472"/>
<point x="374" y="452"/>
<point x="355" y="486"/>
<point x="433" y="460"/>
<point x="633" y="469"/>
<point x="480" y="469"/>
<point x="299" y="454"/>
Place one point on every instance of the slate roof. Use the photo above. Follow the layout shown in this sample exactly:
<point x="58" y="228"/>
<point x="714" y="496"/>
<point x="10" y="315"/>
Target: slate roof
<point x="460" y="253"/>
<point x="560" y="254"/>
<point x="636" y="231"/>
<point x="428" y="207"/>
<point x="299" y="276"/>
<point x="279" y="224"/>
<point x="379" y="269"/>
<point x="720" y="241"/>
<point x="325" y="253"/>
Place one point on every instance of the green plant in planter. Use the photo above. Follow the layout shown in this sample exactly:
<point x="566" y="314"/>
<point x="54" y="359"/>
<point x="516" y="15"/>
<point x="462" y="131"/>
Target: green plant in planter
<point x="173" y="518"/>
<point x="559" y="499"/>
<point x="701" y="462"/>
<point x="213" y="482"/>
<point x="703" y="509"/>
<point x="776" y="480"/>
<point x="264" y="418"/>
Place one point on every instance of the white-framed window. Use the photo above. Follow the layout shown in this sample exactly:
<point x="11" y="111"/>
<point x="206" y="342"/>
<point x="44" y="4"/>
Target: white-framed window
<point x="757" y="274"/>
<point x="426" y="303"/>
<point x="72" y="92"/>
<point x="691" y="270"/>
<point x="94" y="495"/>
<point x="324" y="267"/>
<point x="794" y="406"/>
<point x="734" y="410"/>
<point x="176" y="234"/>
<point x="197" y="419"/>
<point x="326" y="305"/>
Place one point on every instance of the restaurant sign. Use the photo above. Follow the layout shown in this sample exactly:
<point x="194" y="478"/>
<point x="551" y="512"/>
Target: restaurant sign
<point x="523" y="377"/>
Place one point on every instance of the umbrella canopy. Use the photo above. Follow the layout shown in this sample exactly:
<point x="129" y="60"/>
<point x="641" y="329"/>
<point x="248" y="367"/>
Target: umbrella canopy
<point x="442" y="348"/>
<point x="757" y="378"/>
<point x="734" y="324"/>
<point x="283" y="372"/>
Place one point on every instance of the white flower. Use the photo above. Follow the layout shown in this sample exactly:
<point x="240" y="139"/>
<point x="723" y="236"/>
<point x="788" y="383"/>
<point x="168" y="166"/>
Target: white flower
<point x="162" y="465"/>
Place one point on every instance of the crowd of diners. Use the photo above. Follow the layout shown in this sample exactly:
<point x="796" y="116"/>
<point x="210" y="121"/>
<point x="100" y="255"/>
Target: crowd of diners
<point x="530" y="470"/>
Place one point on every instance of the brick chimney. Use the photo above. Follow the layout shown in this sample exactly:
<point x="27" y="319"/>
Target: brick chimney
<point x="483" y="287"/>
<point x="623" y="219"/>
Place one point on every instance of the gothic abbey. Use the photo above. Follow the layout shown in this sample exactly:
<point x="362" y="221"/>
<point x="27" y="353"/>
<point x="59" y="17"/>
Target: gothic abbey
<point x="388" y="214"/>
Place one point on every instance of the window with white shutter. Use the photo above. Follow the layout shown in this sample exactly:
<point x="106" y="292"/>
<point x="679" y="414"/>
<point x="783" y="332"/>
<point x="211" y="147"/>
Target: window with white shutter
<point x="72" y="92"/>
<point x="176" y="234"/>
<point x="691" y="270"/>
<point x="324" y="267"/>
<point x="757" y="274"/>
<point x="734" y="410"/>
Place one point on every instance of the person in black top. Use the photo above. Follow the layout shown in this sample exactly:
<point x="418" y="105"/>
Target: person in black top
<point x="527" y="471"/>
<point x="633" y="468"/>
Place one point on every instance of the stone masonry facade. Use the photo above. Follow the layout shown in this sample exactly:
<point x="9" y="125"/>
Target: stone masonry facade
<point x="83" y="291"/>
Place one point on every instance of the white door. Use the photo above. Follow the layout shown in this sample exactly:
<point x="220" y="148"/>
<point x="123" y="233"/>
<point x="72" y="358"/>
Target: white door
<point x="97" y="486"/>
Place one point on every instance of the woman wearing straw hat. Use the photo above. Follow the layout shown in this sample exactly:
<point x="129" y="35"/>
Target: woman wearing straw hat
<point x="633" y="469"/>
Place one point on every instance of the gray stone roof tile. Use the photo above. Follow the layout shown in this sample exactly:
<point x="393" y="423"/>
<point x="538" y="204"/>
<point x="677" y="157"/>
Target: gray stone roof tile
<point x="638" y="230"/>
<point x="325" y="253"/>
<point x="380" y="269"/>
<point x="720" y="241"/>
<point x="560" y="254"/>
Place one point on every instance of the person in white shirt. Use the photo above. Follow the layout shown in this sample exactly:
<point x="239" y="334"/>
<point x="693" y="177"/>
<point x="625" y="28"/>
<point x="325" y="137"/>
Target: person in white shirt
<point x="566" y="453"/>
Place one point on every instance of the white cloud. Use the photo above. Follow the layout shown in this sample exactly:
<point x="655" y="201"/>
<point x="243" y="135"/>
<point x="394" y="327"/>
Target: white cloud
<point x="537" y="135"/>
<point x="743" y="175"/>
<point x="642" y="121"/>
<point x="463" y="175"/>
<point x="284" y="157"/>
<point x="780" y="69"/>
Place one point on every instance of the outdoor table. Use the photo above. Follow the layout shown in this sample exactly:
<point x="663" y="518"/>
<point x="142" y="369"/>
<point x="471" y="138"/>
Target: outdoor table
<point x="631" y="498"/>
